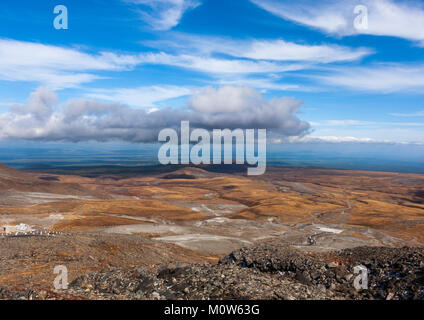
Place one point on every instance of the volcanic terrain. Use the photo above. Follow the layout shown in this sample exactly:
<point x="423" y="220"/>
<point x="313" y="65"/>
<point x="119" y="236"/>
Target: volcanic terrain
<point x="129" y="227"/>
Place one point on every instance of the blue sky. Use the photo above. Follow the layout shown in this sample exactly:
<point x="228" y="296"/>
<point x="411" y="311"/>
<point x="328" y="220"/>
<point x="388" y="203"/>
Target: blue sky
<point x="302" y="64"/>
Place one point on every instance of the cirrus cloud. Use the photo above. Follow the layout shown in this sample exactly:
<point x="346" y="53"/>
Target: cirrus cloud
<point x="164" y="14"/>
<point x="403" y="19"/>
<point x="386" y="78"/>
<point x="54" y="66"/>
<point x="259" y="49"/>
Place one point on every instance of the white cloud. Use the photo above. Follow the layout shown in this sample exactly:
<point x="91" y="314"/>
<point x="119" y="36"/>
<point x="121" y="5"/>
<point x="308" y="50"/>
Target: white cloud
<point x="59" y="67"/>
<point x="226" y="99"/>
<point x="383" y="78"/>
<point x="245" y="107"/>
<point x="54" y="66"/>
<point x="85" y="119"/>
<point x="333" y="139"/>
<point x="403" y="19"/>
<point x="348" y="122"/>
<point x="246" y="57"/>
<point x="289" y="51"/>
<point x="164" y="14"/>
<point x="217" y="66"/>
<point x="340" y="139"/>
<point x="260" y="49"/>
<point x="361" y="130"/>
<point x="260" y="83"/>
<point x="147" y="96"/>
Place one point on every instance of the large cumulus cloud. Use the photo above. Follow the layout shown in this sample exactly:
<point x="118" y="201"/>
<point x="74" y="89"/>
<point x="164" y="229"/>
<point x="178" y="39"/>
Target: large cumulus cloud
<point x="41" y="118"/>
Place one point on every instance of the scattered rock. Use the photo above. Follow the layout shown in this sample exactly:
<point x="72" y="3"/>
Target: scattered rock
<point x="264" y="272"/>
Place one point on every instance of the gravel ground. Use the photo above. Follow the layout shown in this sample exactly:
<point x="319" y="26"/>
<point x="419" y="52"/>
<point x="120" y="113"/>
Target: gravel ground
<point x="270" y="272"/>
<point x="263" y="272"/>
<point x="393" y="273"/>
<point x="193" y="282"/>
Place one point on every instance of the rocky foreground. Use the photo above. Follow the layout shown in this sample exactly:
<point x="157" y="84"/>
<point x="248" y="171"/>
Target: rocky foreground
<point x="264" y="272"/>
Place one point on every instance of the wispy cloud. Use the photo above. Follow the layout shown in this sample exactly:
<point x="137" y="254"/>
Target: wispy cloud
<point x="54" y="66"/>
<point x="403" y="19"/>
<point x="147" y="96"/>
<point x="213" y="65"/>
<point x="61" y="67"/>
<point x="332" y="139"/>
<point x="383" y="78"/>
<point x="260" y="49"/>
<point x="289" y="51"/>
<point x="233" y="62"/>
<point x="348" y="122"/>
<point x="264" y="84"/>
<point x="163" y="14"/>
<point x="343" y="140"/>
<point x="361" y="130"/>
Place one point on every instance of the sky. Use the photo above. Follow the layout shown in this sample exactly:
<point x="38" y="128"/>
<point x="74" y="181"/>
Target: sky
<point x="308" y="71"/>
